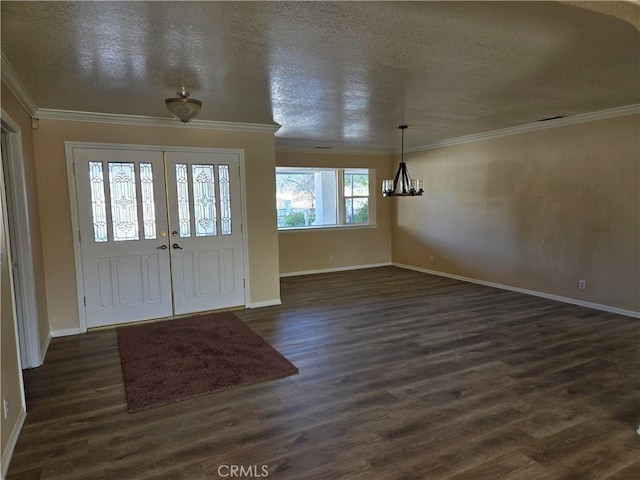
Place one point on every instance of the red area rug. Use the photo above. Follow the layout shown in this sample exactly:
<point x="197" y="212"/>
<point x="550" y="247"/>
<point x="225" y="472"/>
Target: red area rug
<point x="169" y="361"/>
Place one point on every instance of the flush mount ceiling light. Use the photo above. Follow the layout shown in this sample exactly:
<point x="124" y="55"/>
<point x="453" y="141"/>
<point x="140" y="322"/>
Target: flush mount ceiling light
<point x="402" y="185"/>
<point x="183" y="108"/>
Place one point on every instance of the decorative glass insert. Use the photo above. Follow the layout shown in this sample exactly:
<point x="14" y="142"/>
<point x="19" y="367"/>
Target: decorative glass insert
<point x="148" y="204"/>
<point x="124" y="206"/>
<point x="204" y="200"/>
<point x="98" y="203"/>
<point x="225" y="199"/>
<point x="182" y="190"/>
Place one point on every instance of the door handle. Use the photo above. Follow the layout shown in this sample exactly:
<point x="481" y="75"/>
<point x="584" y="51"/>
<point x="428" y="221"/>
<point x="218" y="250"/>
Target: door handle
<point x="161" y="247"/>
<point x="176" y="246"/>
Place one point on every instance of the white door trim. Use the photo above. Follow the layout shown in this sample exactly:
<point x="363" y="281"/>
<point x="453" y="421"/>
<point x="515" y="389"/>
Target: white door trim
<point x="75" y="223"/>
<point x="75" y="234"/>
<point x="28" y="330"/>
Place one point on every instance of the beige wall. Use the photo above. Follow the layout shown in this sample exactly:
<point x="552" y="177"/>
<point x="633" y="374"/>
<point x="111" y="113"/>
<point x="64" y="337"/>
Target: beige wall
<point x="259" y="153"/>
<point x="18" y="114"/>
<point x="537" y="210"/>
<point x="305" y="250"/>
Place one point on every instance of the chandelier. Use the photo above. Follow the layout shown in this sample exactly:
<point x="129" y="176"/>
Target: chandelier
<point x="402" y="185"/>
<point x="183" y="108"/>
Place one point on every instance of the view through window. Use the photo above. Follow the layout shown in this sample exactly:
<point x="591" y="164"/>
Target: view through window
<point x="312" y="197"/>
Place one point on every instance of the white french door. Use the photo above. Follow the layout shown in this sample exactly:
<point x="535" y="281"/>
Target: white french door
<point x="123" y="224"/>
<point x="160" y="233"/>
<point x="206" y="231"/>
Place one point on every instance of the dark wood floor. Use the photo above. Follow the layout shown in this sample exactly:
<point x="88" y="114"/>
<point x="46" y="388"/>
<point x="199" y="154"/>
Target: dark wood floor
<point x="402" y="376"/>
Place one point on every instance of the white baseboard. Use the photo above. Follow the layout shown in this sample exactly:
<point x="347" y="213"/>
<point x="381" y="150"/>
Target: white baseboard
<point x="11" y="443"/>
<point x="558" y="298"/>
<point x="335" y="269"/>
<point x="266" y="303"/>
<point x="45" y="348"/>
<point x="66" y="332"/>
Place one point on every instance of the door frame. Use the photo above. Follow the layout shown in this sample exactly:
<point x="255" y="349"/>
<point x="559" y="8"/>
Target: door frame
<point x="31" y="352"/>
<point x="75" y="222"/>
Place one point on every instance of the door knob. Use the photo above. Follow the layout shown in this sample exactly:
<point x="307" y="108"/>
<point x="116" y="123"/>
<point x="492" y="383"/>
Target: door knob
<point x="176" y="246"/>
<point x="161" y="247"/>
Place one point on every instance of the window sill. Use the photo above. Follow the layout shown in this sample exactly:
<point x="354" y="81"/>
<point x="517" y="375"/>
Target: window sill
<point x="328" y="227"/>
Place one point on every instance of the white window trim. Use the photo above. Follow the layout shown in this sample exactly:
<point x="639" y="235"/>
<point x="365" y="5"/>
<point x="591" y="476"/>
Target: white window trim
<point x="340" y="200"/>
<point x="315" y="228"/>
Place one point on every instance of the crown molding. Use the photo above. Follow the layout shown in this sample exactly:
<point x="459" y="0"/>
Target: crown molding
<point x="12" y="80"/>
<point x="286" y="147"/>
<point x="308" y="147"/>
<point x="121" y="119"/>
<point x="533" y="127"/>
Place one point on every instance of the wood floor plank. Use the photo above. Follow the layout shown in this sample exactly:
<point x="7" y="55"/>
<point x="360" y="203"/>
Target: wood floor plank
<point x="600" y="461"/>
<point x="629" y="472"/>
<point x="403" y="375"/>
<point x="499" y="467"/>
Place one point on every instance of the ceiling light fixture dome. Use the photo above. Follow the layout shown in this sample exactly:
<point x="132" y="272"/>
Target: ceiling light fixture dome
<point x="409" y="187"/>
<point x="183" y="108"/>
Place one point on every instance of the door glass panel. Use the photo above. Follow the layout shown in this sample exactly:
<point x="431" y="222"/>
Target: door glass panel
<point x="225" y="200"/>
<point x="148" y="204"/>
<point x="182" y="191"/>
<point x="98" y="204"/>
<point x="204" y="200"/>
<point x="124" y="205"/>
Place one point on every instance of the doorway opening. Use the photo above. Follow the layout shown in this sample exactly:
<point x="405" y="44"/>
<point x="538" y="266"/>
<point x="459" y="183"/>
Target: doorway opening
<point x="20" y="243"/>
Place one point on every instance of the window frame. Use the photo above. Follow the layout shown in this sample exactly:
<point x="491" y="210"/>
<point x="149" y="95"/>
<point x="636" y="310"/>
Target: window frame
<point x="342" y="211"/>
<point x="340" y="198"/>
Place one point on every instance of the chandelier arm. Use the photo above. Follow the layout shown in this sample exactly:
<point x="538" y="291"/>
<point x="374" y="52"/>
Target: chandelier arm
<point x="395" y="180"/>
<point x="406" y="182"/>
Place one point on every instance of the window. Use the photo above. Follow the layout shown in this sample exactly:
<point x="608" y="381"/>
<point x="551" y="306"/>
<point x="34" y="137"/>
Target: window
<point x="356" y="196"/>
<point x="319" y="197"/>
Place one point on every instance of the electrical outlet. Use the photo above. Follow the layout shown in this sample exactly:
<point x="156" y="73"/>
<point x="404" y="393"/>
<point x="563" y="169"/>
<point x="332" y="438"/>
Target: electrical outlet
<point x="5" y="408"/>
<point x="331" y="257"/>
<point x="431" y="259"/>
<point x="582" y="284"/>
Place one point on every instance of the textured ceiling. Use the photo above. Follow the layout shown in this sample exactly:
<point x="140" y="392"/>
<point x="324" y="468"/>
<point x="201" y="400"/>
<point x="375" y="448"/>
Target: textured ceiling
<point x="331" y="73"/>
